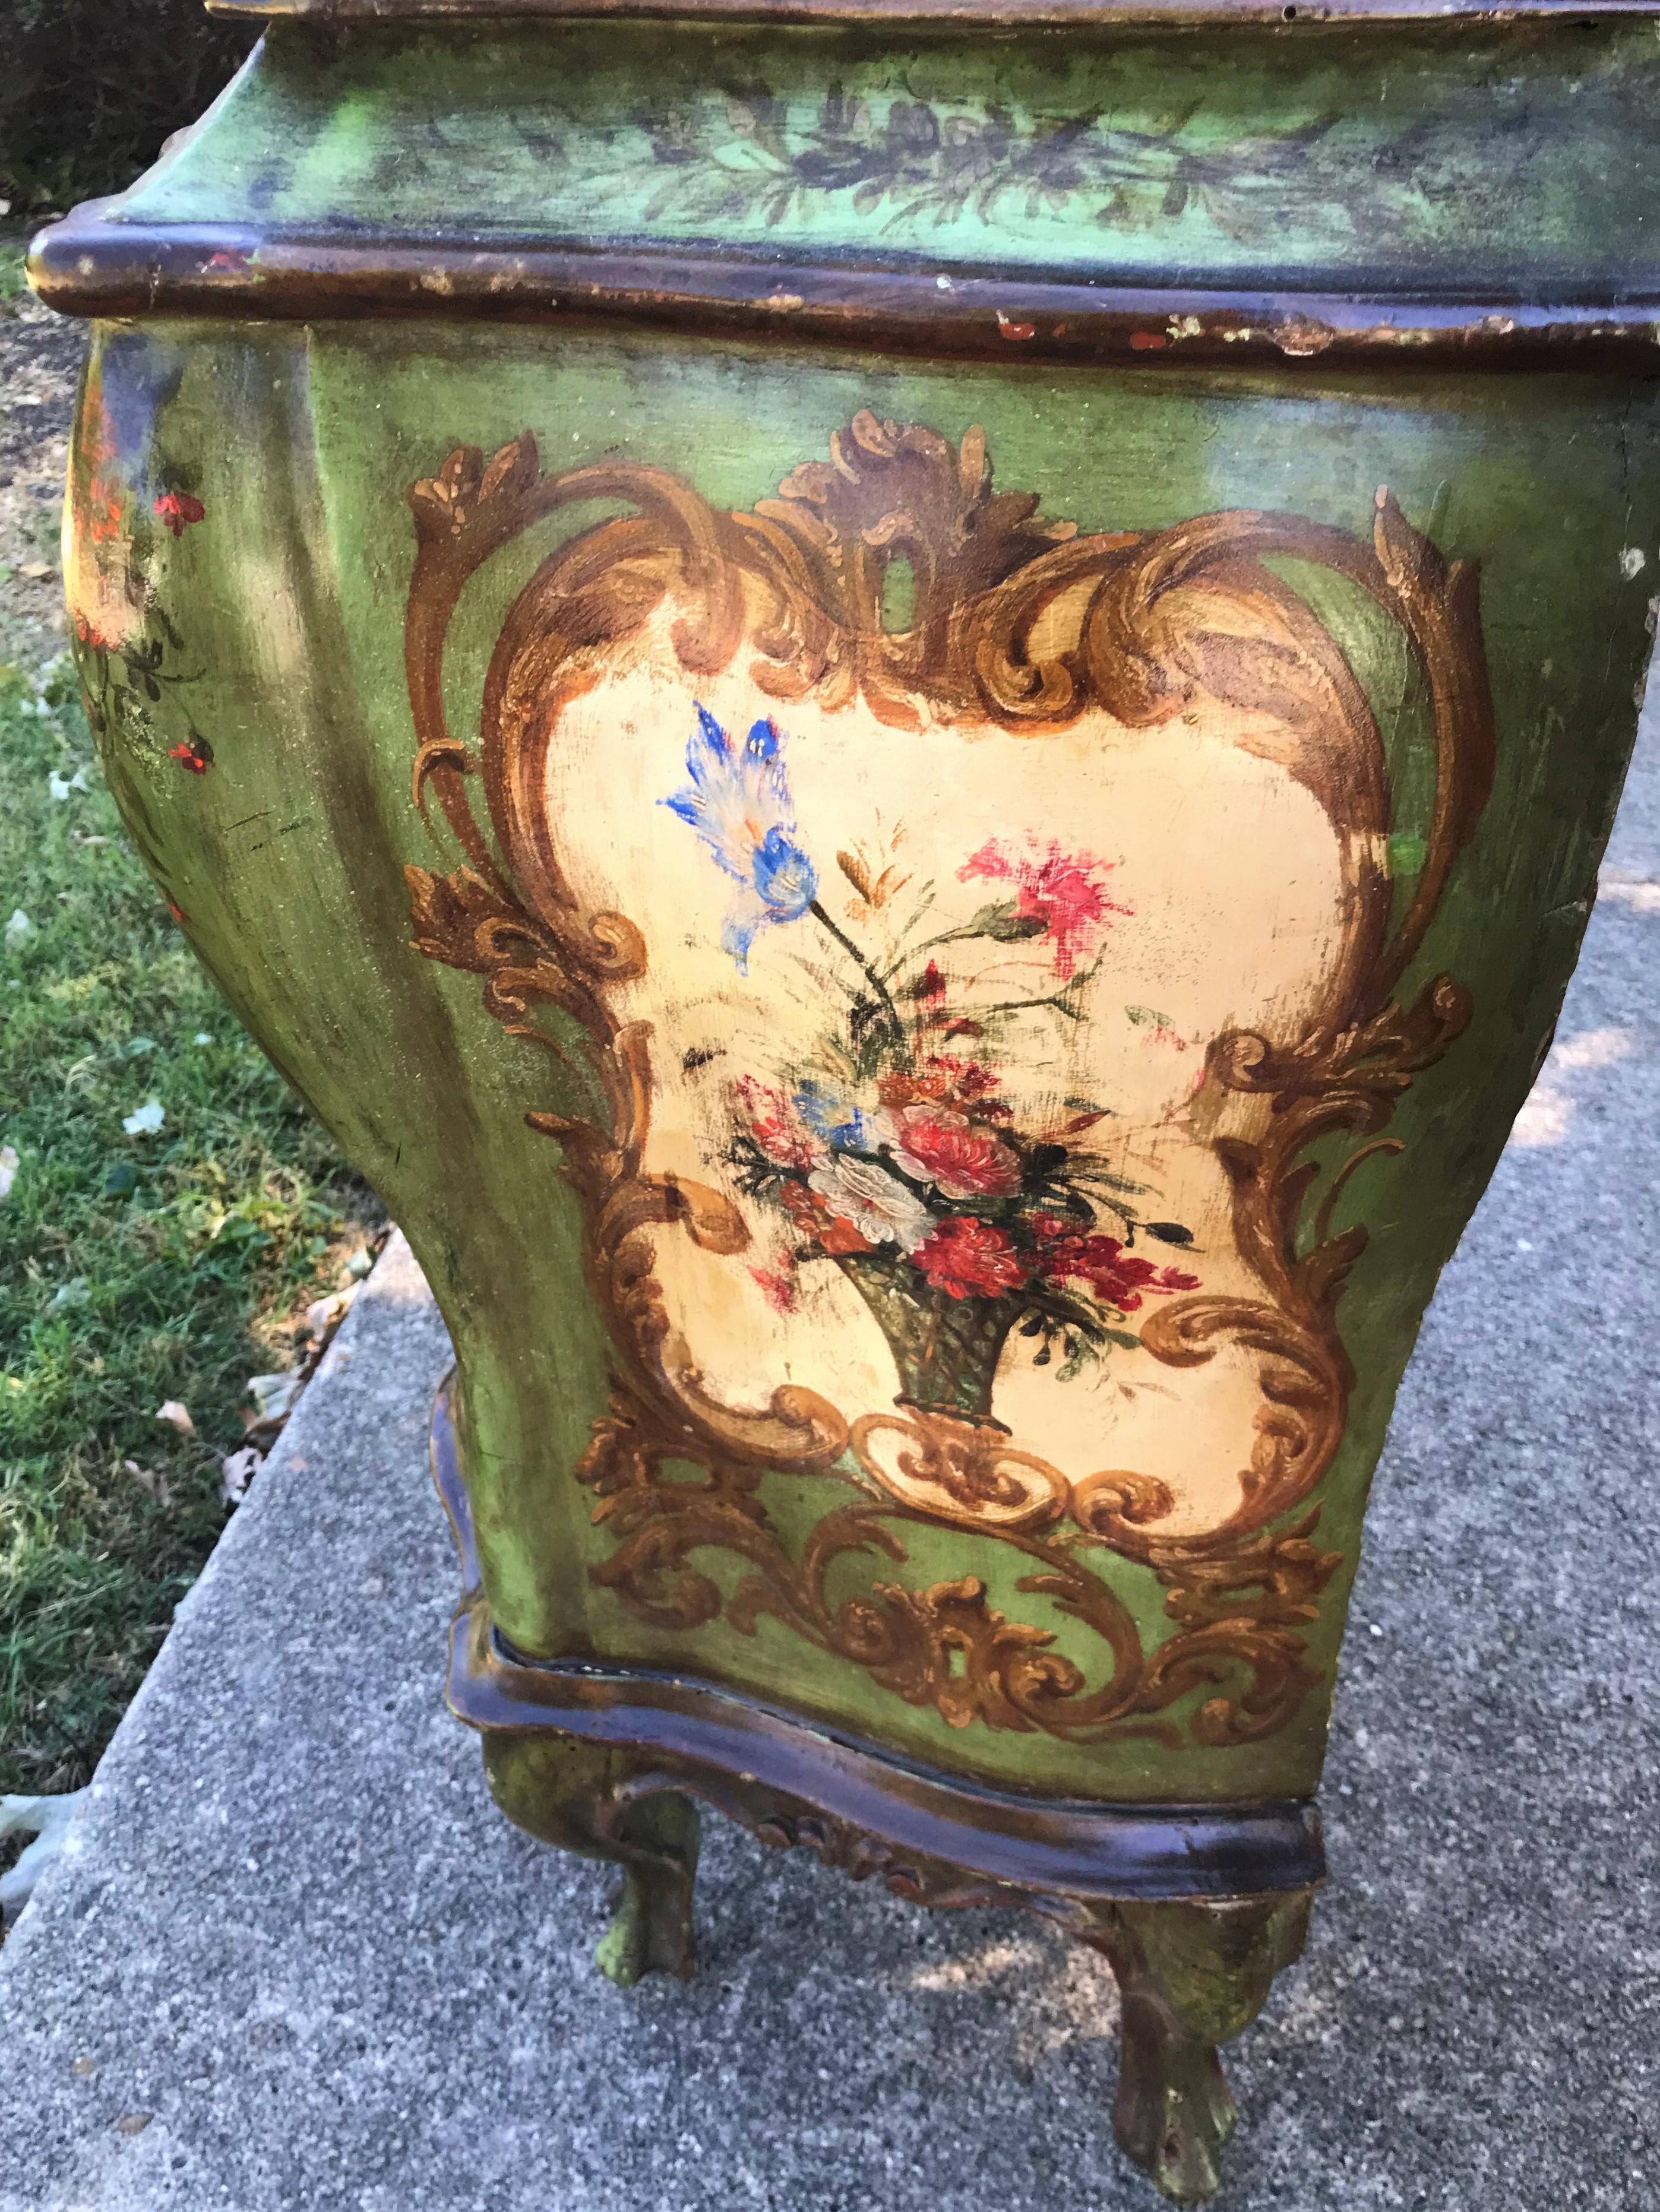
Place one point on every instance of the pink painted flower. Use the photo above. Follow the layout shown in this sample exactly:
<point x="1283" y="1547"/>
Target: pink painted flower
<point x="958" y="1157"/>
<point x="969" y="1257"/>
<point x="179" y="509"/>
<point x="1063" y="890"/>
<point x="778" y="1286"/>
<point x="777" y="1126"/>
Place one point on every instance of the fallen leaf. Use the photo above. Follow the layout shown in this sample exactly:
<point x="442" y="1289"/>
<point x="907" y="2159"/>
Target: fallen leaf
<point x="236" y="1471"/>
<point x="273" y="1395"/>
<point x="362" y="1260"/>
<point x="75" y="1292"/>
<point x="85" y="2066"/>
<point x="35" y="570"/>
<point x="121" y="1180"/>
<point x="133" y="2123"/>
<point x="47" y="1819"/>
<point x="177" y="1417"/>
<point x="148" y="1480"/>
<point x="19" y="929"/>
<point x="324" y="1316"/>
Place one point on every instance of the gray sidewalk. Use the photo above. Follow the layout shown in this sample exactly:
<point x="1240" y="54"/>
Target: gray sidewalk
<point x="295" y="1962"/>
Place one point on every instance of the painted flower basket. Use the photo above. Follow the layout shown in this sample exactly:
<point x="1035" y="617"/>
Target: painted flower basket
<point x="906" y="721"/>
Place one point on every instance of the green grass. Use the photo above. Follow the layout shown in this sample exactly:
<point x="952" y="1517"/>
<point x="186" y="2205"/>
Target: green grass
<point x="133" y="1268"/>
<point x="12" y="284"/>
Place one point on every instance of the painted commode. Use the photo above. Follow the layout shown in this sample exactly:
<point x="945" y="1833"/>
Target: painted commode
<point x="905" y="714"/>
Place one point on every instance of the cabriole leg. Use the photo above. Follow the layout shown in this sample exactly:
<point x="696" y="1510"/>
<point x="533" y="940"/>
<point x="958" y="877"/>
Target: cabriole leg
<point x="1191" y="1976"/>
<point x="573" y="1795"/>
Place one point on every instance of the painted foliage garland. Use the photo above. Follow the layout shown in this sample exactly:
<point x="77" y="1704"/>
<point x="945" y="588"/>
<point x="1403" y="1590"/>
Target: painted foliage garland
<point x="899" y="1163"/>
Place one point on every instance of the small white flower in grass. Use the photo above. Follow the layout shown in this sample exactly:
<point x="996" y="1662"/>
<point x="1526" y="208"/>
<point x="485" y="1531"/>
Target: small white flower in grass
<point x="201" y="1037"/>
<point x="19" y="929"/>
<point x="9" y="1165"/>
<point x="146" y="1120"/>
<point x="60" y="787"/>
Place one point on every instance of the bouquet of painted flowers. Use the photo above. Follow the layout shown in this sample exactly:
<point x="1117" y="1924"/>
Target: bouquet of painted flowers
<point x="894" y="1155"/>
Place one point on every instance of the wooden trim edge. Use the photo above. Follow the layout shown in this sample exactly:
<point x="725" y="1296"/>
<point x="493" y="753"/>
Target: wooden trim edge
<point x="95" y="265"/>
<point x="970" y="14"/>
<point x="737" y="1752"/>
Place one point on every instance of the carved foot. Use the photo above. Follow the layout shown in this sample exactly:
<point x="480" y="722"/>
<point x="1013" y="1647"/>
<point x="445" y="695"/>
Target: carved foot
<point x="1191" y="1976"/>
<point x="577" y="1797"/>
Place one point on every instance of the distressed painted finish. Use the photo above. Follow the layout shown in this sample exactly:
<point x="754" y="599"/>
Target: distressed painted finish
<point x="933" y="952"/>
<point x="1354" y="156"/>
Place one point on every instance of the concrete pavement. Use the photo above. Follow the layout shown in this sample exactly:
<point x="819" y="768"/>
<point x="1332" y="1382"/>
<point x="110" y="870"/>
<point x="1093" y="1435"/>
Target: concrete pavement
<point x="293" y="1960"/>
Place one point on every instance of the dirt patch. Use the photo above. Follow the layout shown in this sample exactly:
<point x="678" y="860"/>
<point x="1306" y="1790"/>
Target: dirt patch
<point x="40" y="356"/>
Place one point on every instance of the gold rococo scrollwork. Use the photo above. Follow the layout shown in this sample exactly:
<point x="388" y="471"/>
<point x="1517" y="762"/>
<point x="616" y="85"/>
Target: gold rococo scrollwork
<point x="1025" y="624"/>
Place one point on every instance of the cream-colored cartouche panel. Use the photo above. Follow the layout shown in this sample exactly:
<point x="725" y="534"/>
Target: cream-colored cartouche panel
<point x="1205" y="897"/>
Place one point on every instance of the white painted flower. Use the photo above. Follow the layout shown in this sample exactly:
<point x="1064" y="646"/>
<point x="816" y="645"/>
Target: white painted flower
<point x="879" y="1205"/>
<point x="146" y="1120"/>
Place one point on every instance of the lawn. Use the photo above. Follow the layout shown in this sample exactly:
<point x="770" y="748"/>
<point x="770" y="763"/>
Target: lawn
<point x="137" y="1265"/>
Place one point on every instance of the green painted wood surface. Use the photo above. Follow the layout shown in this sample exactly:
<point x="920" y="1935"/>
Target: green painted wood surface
<point x="1450" y="157"/>
<point x="285" y="602"/>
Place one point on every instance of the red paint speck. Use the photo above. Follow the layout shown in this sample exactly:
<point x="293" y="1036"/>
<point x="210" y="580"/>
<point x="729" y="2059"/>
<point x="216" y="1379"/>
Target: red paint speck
<point x="179" y="509"/>
<point x="1148" y="341"/>
<point x="1013" y="330"/>
<point x="188" y="756"/>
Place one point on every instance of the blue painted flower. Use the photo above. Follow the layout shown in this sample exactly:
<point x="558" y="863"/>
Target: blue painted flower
<point x="830" y="1113"/>
<point x="739" y="802"/>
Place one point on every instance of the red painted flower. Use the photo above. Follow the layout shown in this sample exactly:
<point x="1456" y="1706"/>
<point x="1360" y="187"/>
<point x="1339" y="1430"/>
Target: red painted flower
<point x="968" y="1258"/>
<point x="958" y="1157"/>
<point x="832" y="1233"/>
<point x="179" y="509"/>
<point x="1116" y="1278"/>
<point x="968" y="1080"/>
<point x="196" y="757"/>
<point x="1063" y="890"/>
<point x="103" y="516"/>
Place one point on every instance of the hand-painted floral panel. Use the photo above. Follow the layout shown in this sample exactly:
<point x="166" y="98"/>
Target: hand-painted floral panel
<point x="967" y="926"/>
